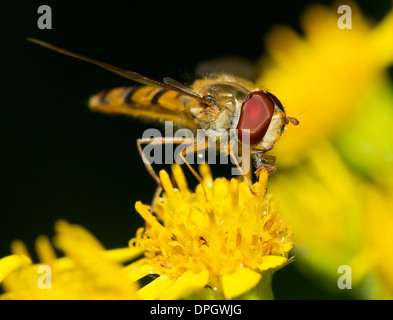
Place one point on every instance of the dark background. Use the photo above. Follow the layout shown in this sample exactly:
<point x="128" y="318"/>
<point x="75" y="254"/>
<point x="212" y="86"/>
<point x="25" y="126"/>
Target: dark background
<point x="58" y="159"/>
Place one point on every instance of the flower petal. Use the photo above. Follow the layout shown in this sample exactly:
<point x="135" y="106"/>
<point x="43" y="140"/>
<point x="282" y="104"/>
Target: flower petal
<point x="122" y="254"/>
<point x="154" y="288"/>
<point x="10" y="263"/>
<point x="185" y="285"/>
<point x="138" y="270"/>
<point x="239" y="282"/>
<point x="269" y="262"/>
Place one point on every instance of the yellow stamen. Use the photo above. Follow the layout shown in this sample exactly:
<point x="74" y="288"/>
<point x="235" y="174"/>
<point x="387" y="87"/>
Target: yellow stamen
<point x="19" y="247"/>
<point x="179" y="177"/>
<point x="205" y="172"/>
<point x="150" y="219"/>
<point x="234" y="192"/>
<point x="167" y="184"/>
<point x="44" y="249"/>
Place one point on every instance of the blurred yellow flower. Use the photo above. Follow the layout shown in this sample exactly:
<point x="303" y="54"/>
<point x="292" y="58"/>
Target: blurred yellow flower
<point x="86" y="272"/>
<point x="333" y="168"/>
<point x="217" y="248"/>
<point x="323" y="75"/>
<point x="323" y="200"/>
<point x="378" y="226"/>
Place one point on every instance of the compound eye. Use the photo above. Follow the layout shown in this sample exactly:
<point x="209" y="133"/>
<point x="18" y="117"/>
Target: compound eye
<point x="255" y="116"/>
<point x="276" y="101"/>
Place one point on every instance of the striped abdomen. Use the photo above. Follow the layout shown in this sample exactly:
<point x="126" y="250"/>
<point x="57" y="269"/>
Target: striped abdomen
<point x="146" y="101"/>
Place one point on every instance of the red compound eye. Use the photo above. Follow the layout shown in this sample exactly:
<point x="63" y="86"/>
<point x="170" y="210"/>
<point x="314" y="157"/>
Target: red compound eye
<point x="256" y="114"/>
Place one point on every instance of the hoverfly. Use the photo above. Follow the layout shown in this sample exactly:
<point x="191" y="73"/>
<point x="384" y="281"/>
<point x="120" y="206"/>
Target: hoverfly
<point x="217" y="102"/>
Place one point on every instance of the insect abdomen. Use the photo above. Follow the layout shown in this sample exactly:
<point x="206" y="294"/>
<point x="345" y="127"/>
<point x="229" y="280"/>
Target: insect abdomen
<point x="125" y="95"/>
<point x="148" y="101"/>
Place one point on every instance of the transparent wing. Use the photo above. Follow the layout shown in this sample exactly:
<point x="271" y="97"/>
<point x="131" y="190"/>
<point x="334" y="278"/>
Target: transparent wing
<point x="235" y="65"/>
<point x="126" y="73"/>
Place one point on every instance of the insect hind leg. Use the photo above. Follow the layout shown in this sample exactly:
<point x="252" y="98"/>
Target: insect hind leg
<point x="148" y="165"/>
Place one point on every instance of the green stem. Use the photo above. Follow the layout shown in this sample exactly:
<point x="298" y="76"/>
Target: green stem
<point x="263" y="290"/>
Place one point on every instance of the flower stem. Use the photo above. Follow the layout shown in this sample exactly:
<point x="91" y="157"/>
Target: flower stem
<point x="263" y="290"/>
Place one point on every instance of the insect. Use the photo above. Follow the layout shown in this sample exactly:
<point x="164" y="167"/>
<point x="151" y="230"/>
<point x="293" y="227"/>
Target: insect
<point x="217" y="102"/>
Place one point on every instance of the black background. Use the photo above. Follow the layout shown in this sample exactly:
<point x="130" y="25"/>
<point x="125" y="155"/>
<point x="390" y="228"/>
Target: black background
<point x="58" y="159"/>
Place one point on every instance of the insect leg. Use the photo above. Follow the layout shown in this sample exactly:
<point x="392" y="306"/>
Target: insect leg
<point x="260" y="165"/>
<point x="148" y="165"/>
<point x="255" y="193"/>
<point x="270" y="157"/>
<point x="192" y="149"/>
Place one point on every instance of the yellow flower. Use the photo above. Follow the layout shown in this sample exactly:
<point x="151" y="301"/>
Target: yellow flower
<point x="226" y="243"/>
<point x="335" y="166"/>
<point x="377" y="255"/>
<point x="324" y="75"/>
<point x="86" y="272"/>
<point x="323" y="201"/>
<point x="344" y="220"/>
<point x="219" y="247"/>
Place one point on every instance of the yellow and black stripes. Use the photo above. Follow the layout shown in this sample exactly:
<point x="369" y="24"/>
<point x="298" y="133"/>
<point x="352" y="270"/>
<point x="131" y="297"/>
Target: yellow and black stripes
<point x="157" y="96"/>
<point x="145" y="95"/>
<point x="127" y="98"/>
<point x="149" y="101"/>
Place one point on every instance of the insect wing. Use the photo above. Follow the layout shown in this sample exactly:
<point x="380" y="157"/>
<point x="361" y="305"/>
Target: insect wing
<point x="122" y="72"/>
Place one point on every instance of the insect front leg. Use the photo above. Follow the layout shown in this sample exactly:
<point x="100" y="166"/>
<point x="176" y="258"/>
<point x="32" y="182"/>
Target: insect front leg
<point x="270" y="157"/>
<point x="195" y="148"/>
<point x="260" y="165"/>
<point x="148" y="165"/>
<point x="245" y="175"/>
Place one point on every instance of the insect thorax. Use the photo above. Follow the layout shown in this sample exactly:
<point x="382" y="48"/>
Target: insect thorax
<point x="227" y="94"/>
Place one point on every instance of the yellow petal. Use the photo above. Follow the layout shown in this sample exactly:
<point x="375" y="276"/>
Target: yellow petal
<point x="64" y="264"/>
<point x="122" y="254"/>
<point x="10" y="263"/>
<point x="189" y="282"/>
<point x="69" y="234"/>
<point x="138" y="270"/>
<point x="382" y="50"/>
<point x="154" y="288"/>
<point x="239" y="282"/>
<point x="269" y="262"/>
